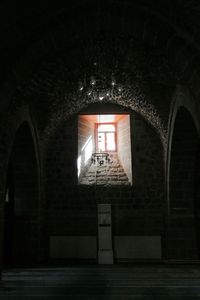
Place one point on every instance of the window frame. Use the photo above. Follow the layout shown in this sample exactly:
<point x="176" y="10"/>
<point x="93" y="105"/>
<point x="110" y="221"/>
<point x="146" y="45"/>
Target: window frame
<point x="105" y="133"/>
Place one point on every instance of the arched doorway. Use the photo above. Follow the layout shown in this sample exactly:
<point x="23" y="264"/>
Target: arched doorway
<point x="21" y="235"/>
<point x="183" y="231"/>
<point x="137" y="209"/>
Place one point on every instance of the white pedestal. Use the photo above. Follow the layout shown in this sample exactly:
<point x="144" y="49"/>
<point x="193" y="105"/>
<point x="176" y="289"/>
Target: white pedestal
<point x="105" y="251"/>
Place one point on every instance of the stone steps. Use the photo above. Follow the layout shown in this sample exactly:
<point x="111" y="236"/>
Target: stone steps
<point x="110" y="174"/>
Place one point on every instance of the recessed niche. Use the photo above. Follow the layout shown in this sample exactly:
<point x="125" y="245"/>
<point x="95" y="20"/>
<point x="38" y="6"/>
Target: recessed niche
<point x="104" y="149"/>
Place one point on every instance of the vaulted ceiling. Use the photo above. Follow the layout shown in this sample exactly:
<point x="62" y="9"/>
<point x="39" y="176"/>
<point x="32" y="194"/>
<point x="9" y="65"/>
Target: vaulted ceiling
<point x="47" y="49"/>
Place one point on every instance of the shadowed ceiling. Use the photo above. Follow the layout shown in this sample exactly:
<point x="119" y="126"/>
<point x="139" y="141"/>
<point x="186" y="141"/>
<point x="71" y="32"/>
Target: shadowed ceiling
<point x="47" y="49"/>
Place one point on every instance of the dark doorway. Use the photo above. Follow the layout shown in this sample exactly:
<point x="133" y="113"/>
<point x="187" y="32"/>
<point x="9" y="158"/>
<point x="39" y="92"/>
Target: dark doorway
<point x="183" y="235"/>
<point x="9" y="220"/>
<point x="21" y="229"/>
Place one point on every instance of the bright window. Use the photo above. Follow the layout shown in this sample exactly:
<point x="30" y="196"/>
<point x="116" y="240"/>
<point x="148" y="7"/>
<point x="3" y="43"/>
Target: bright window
<point x="106" y="137"/>
<point x="106" y="127"/>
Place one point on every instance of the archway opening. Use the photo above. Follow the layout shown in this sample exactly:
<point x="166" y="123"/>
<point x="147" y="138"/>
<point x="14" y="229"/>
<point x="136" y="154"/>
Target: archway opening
<point x="136" y="210"/>
<point x="183" y="240"/>
<point x="104" y="149"/>
<point x="21" y="236"/>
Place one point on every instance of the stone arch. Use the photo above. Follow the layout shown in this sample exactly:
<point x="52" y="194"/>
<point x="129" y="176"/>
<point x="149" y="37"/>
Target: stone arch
<point x="63" y="30"/>
<point x="131" y="101"/>
<point x="21" y="201"/>
<point x="182" y="98"/>
<point x="79" y="202"/>
<point x="59" y="39"/>
<point x="183" y="164"/>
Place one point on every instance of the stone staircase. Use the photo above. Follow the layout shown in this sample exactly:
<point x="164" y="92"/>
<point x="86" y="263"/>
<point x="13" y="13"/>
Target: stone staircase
<point x="110" y="173"/>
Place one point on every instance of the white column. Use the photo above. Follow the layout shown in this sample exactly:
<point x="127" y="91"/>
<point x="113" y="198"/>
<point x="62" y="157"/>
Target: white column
<point x="105" y="251"/>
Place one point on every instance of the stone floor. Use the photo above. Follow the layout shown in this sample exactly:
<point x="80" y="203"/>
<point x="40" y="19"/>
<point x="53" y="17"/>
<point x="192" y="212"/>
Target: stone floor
<point x="102" y="282"/>
<point x="111" y="173"/>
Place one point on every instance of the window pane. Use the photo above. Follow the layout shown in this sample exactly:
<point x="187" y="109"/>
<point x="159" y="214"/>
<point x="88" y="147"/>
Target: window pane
<point x="110" y="140"/>
<point x="106" y="127"/>
<point x="101" y="142"/>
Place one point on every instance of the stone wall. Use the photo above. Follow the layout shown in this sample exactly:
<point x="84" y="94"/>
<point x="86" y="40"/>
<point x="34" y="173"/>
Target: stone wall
<point x="86" y="144"/>
<point x="124" y="145"/>
<point x="72" y="208"/>
<point x="149" y="51"/>
<point x="148" y="165"/>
